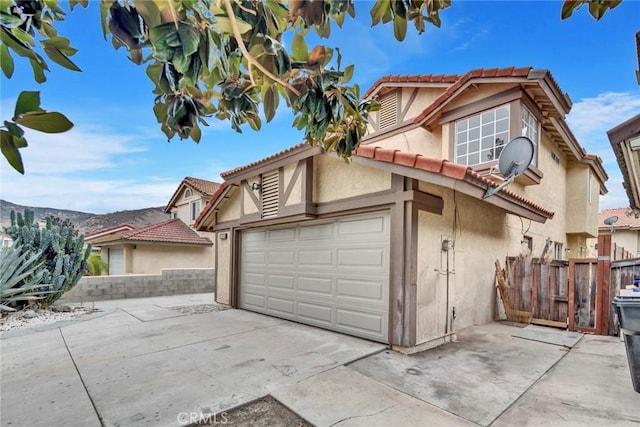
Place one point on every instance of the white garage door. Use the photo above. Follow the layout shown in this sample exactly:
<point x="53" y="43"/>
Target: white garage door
<point x="116" y="261"/>
<point x="333" y="274"/>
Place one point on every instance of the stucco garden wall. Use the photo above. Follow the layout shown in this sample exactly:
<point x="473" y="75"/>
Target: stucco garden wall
<point x="168" y="282"/>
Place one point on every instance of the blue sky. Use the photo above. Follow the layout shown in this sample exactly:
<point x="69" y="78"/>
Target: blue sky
<point x="117" y="158"/>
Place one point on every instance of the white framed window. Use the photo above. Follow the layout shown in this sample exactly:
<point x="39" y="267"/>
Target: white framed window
<point x="195" y="210"/>
<point x="530" y="130"/>
<point x="558" y="250"/>
<point x="188" y="193"/>
<point x="480" y="138"/>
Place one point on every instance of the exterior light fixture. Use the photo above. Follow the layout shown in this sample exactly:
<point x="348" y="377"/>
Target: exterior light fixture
<point x="255" y="186"/>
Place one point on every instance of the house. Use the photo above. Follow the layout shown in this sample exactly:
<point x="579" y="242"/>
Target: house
<point x="625" y="141"/>
<point x="148" y="250"/>
<point x="399" y="246"/>
<point x="5" y="240"/>
<point x="189" y="198"/>
<point x="625" y="232"/>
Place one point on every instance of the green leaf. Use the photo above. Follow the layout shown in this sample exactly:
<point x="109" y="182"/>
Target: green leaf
<point x="299" y="48"/>
<point x="378" y="11"/>
<point x="45" y="122"/>
<point x="27" y="102"/>
<point x="60" y="58"/>
<point x="9" y="20"/>
<point x="6" y="61"/>
<point x="14" y="129"/>
<point x="38" y="71"/>
<point x="223" y="24"/>
<point x="73" y="3"/>
<point x="149" y="11"/>
<point x="196" y="133"/>
<point x="399" y="28"/>
<point x="10" y="151"/>
<point x="270" y="103"/>
<point x="189" y="38"/>
<point x="348" y="73"/>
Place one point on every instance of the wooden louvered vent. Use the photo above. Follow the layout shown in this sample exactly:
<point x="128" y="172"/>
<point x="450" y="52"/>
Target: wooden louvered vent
<point x="388" y="114"/>
<point x="270" y="194"/>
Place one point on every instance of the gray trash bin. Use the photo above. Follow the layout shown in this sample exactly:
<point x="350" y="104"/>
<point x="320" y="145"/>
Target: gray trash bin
<point x="628" y="311"/>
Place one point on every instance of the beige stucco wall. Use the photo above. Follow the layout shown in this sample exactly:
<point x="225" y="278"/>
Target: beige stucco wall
<point x="477" y="93"/>
<point x="424" y="97"/>
<point x="295" y="196"/>
<point x="480" y="237"/>
<point x="248" y="204"/>
<point x="223" y="271"/>
<point x="418" y="141"/>
<point x="231" y="208"/>
<point x="628" y="239"/>
<point x="151" y="259"/>
<point x="335" y="180"/>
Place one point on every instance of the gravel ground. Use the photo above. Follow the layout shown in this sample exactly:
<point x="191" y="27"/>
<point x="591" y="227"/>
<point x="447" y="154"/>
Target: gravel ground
<point x="40" y="317"/>
<point x="197" y="308"/>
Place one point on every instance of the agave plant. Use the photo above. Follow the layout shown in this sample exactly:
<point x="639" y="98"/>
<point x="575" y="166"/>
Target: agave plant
<point x="20" y="276"/>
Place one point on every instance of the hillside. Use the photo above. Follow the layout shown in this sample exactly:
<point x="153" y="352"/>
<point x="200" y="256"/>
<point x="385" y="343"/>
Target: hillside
<point x="87" y="222"/>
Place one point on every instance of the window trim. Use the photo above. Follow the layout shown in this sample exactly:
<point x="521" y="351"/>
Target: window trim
<point x="192" y="211"/>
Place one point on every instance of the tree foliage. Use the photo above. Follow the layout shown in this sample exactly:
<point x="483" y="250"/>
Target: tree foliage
<point x="234" y="60"/>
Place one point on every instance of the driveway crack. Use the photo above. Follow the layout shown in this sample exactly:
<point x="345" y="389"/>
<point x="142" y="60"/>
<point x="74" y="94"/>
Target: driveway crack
<point x="84" y="385"/>
<point x="362" y="416"/>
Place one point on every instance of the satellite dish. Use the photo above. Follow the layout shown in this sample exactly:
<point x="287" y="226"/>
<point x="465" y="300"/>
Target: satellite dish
<point x="610" y="221"/>
<point x="514" y="159"/>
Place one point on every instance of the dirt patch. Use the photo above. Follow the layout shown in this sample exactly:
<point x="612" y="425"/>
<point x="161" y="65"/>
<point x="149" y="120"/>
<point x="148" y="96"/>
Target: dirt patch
<point x="263" y="412"/>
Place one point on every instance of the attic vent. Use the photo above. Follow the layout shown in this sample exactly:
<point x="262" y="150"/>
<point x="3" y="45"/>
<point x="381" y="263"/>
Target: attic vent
<point x="270" y="194"/>
<point x="555" y="158"/>
<point x="388" y="115"/>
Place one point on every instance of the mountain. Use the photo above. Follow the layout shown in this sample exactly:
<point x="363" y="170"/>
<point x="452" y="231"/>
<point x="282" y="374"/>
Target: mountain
<point x="87" y="222"/>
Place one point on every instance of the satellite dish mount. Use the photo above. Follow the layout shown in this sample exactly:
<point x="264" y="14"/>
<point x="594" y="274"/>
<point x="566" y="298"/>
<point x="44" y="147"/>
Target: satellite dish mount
<point x="610" y="221"/>
<point x="515" y="158"/>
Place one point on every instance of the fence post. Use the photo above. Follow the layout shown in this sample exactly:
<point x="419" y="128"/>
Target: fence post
<point x="603" y="284"/>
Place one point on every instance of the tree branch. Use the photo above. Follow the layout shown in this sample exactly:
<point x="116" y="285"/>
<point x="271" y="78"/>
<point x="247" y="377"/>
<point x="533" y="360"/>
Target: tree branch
<point x="251" y="61"/>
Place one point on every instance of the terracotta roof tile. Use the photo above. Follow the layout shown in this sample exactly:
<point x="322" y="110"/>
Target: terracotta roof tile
<point x="443" y="167"/>
<point x="109" y="229"/>
<point x="626" y="219"/>
<point x="171" y="231"/>
<point x="462" y="80"/>
<point x="257" y="162"/>
<point x="413" y="78"/>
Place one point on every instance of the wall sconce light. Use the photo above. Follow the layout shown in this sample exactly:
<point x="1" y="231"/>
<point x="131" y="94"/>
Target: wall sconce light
<point x="255" y="186"/>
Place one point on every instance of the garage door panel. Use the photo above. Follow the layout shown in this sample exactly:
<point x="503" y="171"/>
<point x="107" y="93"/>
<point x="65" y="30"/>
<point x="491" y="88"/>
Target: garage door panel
<point x="366" y="227"/>
<point x="280" y="281"/>
<point x="361" y="257"/>
<point x="316" y="285"/>
<point x="333" y="274"/>
<point x="254" y="236"/>
<point x="317" y="232"/>
<point x="253" y="300"/>
<point x="359" y="289"/>
<point x="359" y="321"/>
<point x="315" y="312"/>
<point x="280" y="305"/>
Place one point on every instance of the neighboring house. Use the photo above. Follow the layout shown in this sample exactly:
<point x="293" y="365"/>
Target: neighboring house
<point x="625" y="232"/>
<point x="625" y="141"/>
<point x="148" y="250"/>
<point x="5" y="240"/>
<point x="190" y="198"/>
<point x="399" y="246"/>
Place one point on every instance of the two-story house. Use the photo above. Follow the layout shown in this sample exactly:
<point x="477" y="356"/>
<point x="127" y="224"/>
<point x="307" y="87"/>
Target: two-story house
<point x="399" y="246"/>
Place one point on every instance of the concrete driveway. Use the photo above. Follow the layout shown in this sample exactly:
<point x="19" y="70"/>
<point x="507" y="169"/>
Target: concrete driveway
<point x="142" y="362"/>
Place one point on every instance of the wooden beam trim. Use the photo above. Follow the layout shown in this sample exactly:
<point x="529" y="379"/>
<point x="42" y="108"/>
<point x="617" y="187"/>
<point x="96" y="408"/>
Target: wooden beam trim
<point x="412" y="98"/>
<point x="291" y="183"/>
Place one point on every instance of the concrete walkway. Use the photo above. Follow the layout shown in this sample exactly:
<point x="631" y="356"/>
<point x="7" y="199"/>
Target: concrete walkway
<point x="151" y="362"/>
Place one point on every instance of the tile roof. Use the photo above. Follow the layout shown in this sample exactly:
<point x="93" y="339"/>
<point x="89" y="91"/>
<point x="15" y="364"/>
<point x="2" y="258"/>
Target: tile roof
<point x="207" y="188"/>
<point x="109" y="230"/>
<point x="626" y="219"/>
<point x="412" y="78"/>
<point x="298" y="147"/>
<point x="442" y="167"/>
<point x="173" y="231"/>
<point x="462" y="80"/>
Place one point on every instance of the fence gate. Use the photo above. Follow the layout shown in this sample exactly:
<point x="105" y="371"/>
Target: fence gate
<point x="550" y="293"/>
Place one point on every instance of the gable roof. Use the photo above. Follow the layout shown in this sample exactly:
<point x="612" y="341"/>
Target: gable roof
<point x="538" y="83"/>
<point x="120" y="228"/>
<point x="173" y="231"/>
<point x="626" y="219"/>
<point x="412" y="162"/>
<point x="204" y="187"/>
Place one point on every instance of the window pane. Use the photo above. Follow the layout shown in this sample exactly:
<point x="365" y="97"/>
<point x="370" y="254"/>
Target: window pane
<point x="461" y="125"/>
<point x="487" y="129"/>
<point x="461" y="149"/>
<point x="474" y="134"/>
<point x="487" y="142"/>
<point x="474" y="159"/>
<point x="487" y="155"/>
<point x="474" y="146"/>
<point x="488" y="116"/>
<point x="474" y="121"/>
<point x="502" y="138"/>
<point x="461" y="160"/>
<point x="461" y="138"/>
<point x="502" y="113"/>
<point x="502" y="125"/>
